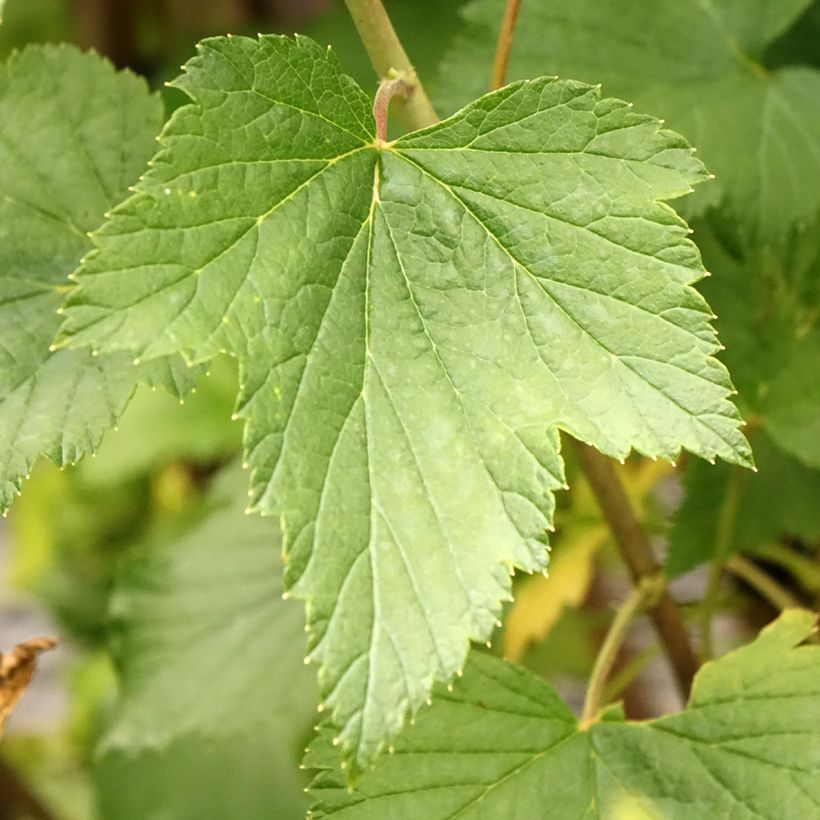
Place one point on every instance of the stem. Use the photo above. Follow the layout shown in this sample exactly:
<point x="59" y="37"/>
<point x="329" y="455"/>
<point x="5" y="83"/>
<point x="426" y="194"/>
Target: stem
<point x="761" y="582"/>
<point x="641" y="594"/>
<point x="723" y="546"/>
<point x="388" y="89"/>
<point x="505" y="41"/>
<point x="387" y="55"/>
<point x="17" y="797"/>
<point x="636" y="552"/>
<point x="805" y="570"/>
<point x="624" y="677"/>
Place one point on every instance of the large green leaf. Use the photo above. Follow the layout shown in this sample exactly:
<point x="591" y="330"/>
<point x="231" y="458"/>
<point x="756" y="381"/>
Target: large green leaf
<point x="216" y="701"/>
<point x="413" y="320"/>
<point x="695" y="63"/>
<point x="73" y="135"/>
<point x="503" y="745"/>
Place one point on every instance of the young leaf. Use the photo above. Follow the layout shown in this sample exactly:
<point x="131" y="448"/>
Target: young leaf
<point x="73" y="134"/>
<point x="413" y="320"/>
<point x="210" y="660"/>
<point x="503" y="744"/>
<point x="697" y="64"/>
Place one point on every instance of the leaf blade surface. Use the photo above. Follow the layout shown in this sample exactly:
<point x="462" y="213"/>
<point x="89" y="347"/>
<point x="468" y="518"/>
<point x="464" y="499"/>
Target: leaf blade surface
<point x="403" y="366"/>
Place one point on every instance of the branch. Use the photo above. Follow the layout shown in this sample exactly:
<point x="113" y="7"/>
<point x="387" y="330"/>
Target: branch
<point x="645" y="592"/>
<point x="636" y="552"/>
<point x="505" y="41"/>
<point x="389" y="59"/>
<point x="16" y="799"/>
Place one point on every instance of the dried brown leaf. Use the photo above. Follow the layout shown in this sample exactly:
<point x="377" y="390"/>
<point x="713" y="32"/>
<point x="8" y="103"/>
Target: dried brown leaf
<point x="16" y="669"/>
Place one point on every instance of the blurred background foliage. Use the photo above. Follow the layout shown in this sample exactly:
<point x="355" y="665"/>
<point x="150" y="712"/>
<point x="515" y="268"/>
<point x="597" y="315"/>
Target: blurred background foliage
<point x="165" y="594"/>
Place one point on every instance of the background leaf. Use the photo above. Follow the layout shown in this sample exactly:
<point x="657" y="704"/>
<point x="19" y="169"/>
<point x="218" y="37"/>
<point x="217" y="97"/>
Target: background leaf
<point x="700" y="65"/>
<point x="215" y="700"/>
<point x="779" y="501"/>
<point x="62" y="166"/>
<point x="768" y="303"/>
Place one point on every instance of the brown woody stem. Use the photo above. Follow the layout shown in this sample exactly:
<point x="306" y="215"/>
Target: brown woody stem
<point x="636" y="552"/>
<point x="16" y="798"/>
<point x="505" y="41"/>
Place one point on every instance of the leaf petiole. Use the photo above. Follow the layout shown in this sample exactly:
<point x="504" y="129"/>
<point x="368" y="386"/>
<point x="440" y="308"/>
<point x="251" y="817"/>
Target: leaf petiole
<point x="389" y="87"/>
<point x="646" y="592"/>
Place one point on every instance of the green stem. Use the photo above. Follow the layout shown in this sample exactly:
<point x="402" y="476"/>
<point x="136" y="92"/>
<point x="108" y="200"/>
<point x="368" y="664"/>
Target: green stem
<point x="804" y="569"/>
<point x="505" y="41"/>
<point x="761" y="582"/>
<point x="629" y="672"/>
<point x="636" y="552"/>
<point x="642" y="593"/>
<point x="723" y="546"/>
<point x="390" y="59"/>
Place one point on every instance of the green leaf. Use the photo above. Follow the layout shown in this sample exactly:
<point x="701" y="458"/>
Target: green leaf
<point x="698" y="65"/>
<point x="413" y="320"/>
<point x="62" y="166"/>
<point x="767" y="304"/>
<point x="212" y="675"/>
<point x="503" y="744"/>
<point x="778" y="501"/>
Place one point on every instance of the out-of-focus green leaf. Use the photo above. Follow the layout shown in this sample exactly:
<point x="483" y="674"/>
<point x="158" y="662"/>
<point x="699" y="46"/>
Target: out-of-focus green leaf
<point x="781" y="499"/>
<point x="698" y="65"/>
<point x="155" y="429"/>
<point x="33" y="21"/>
<point x="799" y="43"/>
<point x="74" y="133"/>
<point x="215" y="699"/>
<point x="503" y="745"/>
<point x="768" y="304"/>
